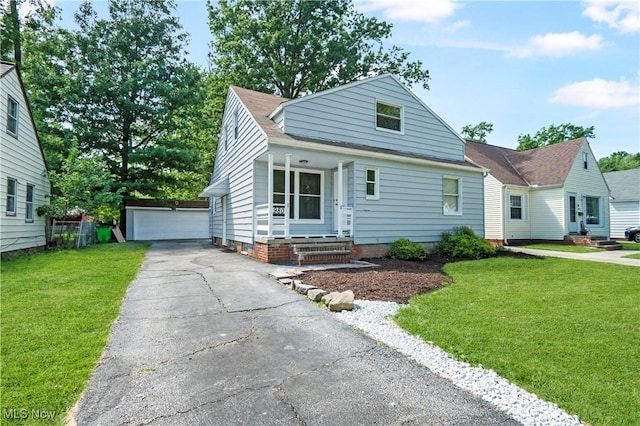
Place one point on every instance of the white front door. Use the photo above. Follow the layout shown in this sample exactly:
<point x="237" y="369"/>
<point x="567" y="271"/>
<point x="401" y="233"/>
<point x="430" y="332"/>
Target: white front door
<point x="337" y="203"/>
<point x="573" y="213"/>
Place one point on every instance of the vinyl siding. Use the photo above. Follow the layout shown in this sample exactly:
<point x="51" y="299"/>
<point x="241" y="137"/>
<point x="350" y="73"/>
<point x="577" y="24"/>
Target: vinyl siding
<point x="236" y="162"/>
<point x="589" y="182"/>
<point x="547" y="212"/>
<point x="20" y="159"/>
<point x="517" y="229"/>
<point x="493" y="208"/>
<point x="349" y="115"/>
<point x="623" y="215"/>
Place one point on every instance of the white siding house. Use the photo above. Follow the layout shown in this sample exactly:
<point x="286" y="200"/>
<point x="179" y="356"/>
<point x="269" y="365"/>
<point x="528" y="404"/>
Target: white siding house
<point x="547" y="193"/>
<point x="359" y="165"/>
<point x="24" y="185"/>
<point x="624" y="205"/>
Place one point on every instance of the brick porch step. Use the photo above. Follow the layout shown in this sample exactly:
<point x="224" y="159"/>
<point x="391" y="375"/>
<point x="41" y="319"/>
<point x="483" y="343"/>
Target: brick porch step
<point x="317" y="253"/>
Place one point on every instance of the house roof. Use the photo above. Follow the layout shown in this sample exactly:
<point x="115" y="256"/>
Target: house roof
<point x="548" y="165"/>
<point x="262" y="105"/>
<point x="5" y="67"/>
<point x="624" y="185"/>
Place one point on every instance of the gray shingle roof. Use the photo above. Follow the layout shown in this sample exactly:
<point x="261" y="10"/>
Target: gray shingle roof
<point x="5" y="67"/>
<point x="624" y="185"/>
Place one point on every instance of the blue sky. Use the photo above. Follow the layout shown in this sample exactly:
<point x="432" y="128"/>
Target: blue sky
<point x="520" y="65"/>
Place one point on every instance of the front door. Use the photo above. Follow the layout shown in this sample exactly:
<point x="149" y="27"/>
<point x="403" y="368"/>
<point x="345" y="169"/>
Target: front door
<point x="573" y="217"/>
<point x="337" y="203"/>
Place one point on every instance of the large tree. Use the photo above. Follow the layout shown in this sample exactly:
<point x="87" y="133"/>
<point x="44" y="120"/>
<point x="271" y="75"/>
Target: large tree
<point x="294" y="47"/>
<point x="554" y="134"/>
<point x="477" y="133"/>
<point x="129" y="84"/>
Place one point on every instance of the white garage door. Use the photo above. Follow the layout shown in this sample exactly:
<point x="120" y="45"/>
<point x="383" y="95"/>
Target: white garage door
<point x="170" y="224"/>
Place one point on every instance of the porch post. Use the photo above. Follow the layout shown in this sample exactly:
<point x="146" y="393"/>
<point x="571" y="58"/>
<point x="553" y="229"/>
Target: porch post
<point x="287" y="195"/>
<point x="270" y="197"/>
<point x="340" y="200"/>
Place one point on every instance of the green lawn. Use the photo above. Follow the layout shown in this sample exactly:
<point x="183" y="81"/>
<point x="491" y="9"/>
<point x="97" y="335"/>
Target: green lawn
<point x="566" y="330"/>
<point x="562" y="247"/>
<point x="57" y="309"/>
<point x="633" y="256"/>
<point x="628" y="245"/>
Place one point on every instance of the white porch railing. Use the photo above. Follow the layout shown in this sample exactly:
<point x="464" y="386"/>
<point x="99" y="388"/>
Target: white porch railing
<point x="278" y="226"/>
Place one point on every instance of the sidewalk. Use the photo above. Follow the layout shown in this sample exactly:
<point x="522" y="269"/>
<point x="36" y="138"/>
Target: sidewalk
<point x="614" y="256"/>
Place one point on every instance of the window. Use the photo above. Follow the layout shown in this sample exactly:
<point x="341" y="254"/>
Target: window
<point x="593" y="210"/>
<point x="373" y="184"/>
<point x="12" y="116"/>
<point x="235" y="124"/>
<point x="305" y="194"/>
<point x="12" y="188"/>
<point x="585" y="160"/>
<point x="389" y="117"/>
<point x="517" y="207"/>
<point x="29" y="204"/>
<point x="451" y="195"/>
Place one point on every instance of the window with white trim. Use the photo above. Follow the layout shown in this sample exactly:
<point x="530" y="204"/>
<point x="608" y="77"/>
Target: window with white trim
<point x="12" y="116"/>
<point x="585" y="160"/>
<point x="592" y="210"/>
<point x="29" y="203"/>
<point x="451" y="200"/>
<point x="389" y="117"/>
<point x="372" y="181"/>
<point x="12" y="191"/>
<point x="306" y="194"/>
<point x="517" y="207"/>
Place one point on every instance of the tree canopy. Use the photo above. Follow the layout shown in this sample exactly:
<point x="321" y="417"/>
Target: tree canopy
<point x="294" y="47"/>
<point x="554" y="134"/>
<point x="620" y="160"/>
<point x="477" y="133"/>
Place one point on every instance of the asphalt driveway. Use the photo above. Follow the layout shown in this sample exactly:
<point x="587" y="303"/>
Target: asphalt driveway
<point x="205" y="337"/>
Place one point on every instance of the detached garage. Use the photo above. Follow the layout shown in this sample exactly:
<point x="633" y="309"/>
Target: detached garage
<point x="166" y="220"/>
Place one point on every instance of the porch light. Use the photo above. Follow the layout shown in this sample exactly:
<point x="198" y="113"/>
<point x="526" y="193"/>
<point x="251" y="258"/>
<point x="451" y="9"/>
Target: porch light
<point x="303" y="161"/>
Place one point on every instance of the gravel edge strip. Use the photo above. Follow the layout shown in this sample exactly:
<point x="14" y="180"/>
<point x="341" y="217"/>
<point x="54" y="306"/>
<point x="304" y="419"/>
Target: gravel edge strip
<point x="374" y="318"/>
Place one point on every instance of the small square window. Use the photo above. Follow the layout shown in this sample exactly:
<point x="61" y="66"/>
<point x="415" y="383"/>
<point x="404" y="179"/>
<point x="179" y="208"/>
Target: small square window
<point x="389" y="117"/>
<point x="373" y="184"/>
<point x="12" y="116"/>
<point x="12" y="189"/>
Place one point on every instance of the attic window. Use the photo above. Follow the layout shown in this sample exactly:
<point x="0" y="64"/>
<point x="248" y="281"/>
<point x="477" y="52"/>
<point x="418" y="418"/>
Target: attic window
<point x="12" y="116"/>
<point x="389" y="117"/>
<point x="585" y="160"/>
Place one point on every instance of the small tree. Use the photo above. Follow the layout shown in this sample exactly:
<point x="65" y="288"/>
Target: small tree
<point x="554" y="134"/>
<point x="85" y="184"/>
<point x="477" y="133"/>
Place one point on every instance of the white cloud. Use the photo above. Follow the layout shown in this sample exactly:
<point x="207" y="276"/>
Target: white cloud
<point x="598" y="93"/>
<point x="432" y="11"/>
<point x="557" y="45"/>
<point x="458" y="25"/>
<point x="621" y="15"/>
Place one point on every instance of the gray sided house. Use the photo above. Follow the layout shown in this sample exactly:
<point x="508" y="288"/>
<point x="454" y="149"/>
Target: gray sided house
<point x="624" y="205"/>
<point x="548" y="193"/>
<point x="338" y="174"/>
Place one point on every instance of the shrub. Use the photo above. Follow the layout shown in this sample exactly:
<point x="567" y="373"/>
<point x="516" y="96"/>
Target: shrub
<point x="404" y="249"/>
<point x="464" y="243"/>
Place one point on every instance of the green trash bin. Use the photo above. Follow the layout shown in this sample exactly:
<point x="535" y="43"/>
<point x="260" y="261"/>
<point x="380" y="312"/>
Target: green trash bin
<point x="104" y="234"/>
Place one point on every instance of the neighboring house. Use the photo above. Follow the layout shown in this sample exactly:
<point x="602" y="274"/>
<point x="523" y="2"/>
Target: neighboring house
<point x="350" y="169"/>
<point x="624" y="205"/>
<point x="547" y="193"/>
<point x="24" y="185"/>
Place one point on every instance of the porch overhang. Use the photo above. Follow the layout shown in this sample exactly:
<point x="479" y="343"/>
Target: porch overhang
<point x="217" y="188"/>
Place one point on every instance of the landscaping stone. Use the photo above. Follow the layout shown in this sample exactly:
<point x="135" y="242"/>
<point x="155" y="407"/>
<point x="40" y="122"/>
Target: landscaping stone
<point x="316" y="294"/>
<point x="342" y="301"/>
<point x="295" y="284"/>
<point x="304" y="288"/>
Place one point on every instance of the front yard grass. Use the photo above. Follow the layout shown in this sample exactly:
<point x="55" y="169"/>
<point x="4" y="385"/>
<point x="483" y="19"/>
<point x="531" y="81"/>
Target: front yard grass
<point x="566" y="330"/>
<point x="628" y="245"/>
<point x="633" y="256"/>
<point x="57" y="309"/>
<point x="562" y="247"/>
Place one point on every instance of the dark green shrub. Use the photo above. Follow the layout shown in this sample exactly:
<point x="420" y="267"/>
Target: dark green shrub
<point x="404" y="249"/>
<point x="463" y="243"/>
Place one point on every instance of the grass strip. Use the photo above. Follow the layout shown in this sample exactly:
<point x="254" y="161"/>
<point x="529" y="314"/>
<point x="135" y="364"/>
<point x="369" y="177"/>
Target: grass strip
<point x="566" y="330"/>
<point x="563" y="247"/>
<point x="57" y="309"/>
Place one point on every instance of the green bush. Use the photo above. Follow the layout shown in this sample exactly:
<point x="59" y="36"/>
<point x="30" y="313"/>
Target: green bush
<point x="464" y="243"/>
<point x="404" y="249"/>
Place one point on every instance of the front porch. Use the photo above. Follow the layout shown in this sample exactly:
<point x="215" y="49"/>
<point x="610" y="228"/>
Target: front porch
<point x="303" y="251"/>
